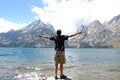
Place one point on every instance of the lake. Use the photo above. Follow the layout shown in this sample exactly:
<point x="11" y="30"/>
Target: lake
<point x="17" y="60"/>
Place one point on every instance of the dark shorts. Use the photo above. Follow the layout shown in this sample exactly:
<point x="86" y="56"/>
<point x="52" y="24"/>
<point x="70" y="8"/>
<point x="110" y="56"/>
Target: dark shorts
<point x="59" y="57"/>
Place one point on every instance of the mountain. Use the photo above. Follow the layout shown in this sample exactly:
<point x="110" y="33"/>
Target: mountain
<point x="95" y="35"/>
<point x="114" y="27"/>
<point x="99" y="35"/>
<point x="27" y="36"/>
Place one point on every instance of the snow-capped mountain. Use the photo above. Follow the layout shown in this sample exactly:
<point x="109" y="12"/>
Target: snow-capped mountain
<point x="95" y="35"/>
<point x="27" y="36"/>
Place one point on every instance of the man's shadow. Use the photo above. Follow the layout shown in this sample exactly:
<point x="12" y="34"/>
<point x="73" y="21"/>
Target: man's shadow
<point x="65" y="79"/>
<point x="68" y="78"/>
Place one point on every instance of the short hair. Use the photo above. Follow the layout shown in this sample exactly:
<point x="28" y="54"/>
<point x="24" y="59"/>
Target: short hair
<point x="58" y="32"/>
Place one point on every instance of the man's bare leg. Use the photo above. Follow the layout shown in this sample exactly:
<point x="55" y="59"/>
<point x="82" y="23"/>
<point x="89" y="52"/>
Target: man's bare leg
<point x="62" y="76"/>
<point x="56" y="69"/>
<point x="61" y="69"/>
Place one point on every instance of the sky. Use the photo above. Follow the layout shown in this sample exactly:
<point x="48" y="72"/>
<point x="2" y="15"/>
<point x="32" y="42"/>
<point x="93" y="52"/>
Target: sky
<point x="66" y="15"/>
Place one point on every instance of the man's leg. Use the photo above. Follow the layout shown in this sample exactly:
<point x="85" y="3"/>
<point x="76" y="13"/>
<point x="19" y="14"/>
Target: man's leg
<point x="56" y="69"/>
<point x="61" y="69"/>
<point x="62" y="61"/>
<point x="62" y="76"/>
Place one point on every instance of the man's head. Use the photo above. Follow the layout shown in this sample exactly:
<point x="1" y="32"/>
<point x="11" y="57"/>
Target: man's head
<point x="58" y="32"/>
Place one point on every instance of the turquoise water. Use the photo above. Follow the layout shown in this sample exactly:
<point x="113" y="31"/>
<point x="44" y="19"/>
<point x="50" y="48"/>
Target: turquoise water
<point x="17" y="56"/>
<point x="14" y="59"/>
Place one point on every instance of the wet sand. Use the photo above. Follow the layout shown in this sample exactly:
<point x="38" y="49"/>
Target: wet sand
<point x="78" y="71"/>
<point x="90" y="71"/>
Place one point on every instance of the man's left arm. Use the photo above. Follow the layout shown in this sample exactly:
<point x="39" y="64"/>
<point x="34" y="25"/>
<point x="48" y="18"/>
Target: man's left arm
<point x="72" y="35"/>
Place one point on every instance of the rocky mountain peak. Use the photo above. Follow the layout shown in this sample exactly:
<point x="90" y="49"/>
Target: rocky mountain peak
<point x="95" y="23"/>
<point x="116" y="18"/>
<point x="95" y="35"/>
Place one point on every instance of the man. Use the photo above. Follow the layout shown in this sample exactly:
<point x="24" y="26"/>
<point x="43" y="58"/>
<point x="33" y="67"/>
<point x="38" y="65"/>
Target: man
<point x="59" y="50"/>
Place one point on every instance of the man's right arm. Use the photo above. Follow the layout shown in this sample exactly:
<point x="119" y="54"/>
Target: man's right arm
<point x="43" y="36"/>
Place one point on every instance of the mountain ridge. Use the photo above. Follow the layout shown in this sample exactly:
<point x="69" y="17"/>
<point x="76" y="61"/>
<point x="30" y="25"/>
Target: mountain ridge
<point x="95" y="35"/>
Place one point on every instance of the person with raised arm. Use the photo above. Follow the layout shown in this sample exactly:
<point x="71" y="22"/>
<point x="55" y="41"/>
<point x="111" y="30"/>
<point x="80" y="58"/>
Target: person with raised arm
<point x="59" y="57"/>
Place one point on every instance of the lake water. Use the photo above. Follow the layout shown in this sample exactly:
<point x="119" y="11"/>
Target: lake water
<point x="14" y="60"/>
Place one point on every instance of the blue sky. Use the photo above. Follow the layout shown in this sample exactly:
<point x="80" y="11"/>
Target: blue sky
<point x="18" y="10"/>
<point x="62" y="14"/>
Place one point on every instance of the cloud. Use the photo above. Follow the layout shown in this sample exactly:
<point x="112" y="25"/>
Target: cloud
<point x="6" y="25"/>
<point x="69" y="14"/>
<point x="104" y="10"/>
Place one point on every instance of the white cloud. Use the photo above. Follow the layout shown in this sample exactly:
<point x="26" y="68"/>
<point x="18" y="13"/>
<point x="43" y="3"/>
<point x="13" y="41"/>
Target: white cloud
<point x="69" y="14"/>
<point x="6" y="25"/>
<point x="104" y="10"/>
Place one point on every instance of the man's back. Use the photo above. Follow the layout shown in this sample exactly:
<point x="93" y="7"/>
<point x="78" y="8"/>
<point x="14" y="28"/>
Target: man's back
<point x="59" y="42"/>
